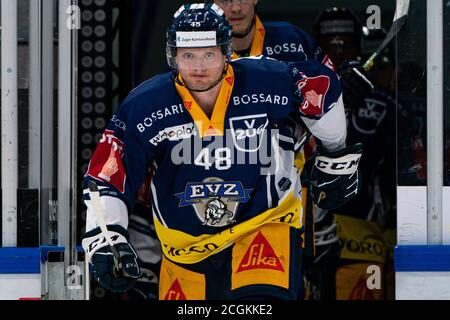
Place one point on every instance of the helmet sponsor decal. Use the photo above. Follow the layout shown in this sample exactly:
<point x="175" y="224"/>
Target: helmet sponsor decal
<point x="196" y="39"/>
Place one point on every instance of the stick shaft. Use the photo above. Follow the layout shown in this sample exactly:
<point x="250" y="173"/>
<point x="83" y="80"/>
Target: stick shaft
<point x="400" y="16"/>
<point x="98" y="211"/>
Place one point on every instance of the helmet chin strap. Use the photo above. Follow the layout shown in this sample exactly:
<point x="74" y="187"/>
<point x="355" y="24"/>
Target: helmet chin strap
<point x="181" y="83"/>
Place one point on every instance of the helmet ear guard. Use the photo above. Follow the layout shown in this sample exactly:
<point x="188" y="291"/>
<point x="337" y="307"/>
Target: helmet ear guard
<point x="171" y="53"/>
<point x="227" y="50"/>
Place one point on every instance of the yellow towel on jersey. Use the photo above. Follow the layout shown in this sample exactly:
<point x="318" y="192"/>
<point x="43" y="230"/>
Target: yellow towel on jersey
<point x="185" y="248"/>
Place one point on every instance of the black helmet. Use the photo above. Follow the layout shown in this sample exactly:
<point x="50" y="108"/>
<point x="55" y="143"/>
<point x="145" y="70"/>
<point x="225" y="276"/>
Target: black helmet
<point x="333" y="21"/>
<point x="198" y="25"/>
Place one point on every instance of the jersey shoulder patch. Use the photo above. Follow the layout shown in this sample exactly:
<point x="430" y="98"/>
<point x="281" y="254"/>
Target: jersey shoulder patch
<point x="318" y="86"/>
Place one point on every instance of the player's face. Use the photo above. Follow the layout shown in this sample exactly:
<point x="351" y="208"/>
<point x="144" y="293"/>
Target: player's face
<point x="340" y="48"/>
<point x="239" y="13"/>
<point x="200" y="67"/>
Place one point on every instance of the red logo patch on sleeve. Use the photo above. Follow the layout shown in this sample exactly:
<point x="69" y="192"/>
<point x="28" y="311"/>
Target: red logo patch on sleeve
<point x="314" y="91"/>
<point x="106" y="164"/>
<point x="327" y="61"/>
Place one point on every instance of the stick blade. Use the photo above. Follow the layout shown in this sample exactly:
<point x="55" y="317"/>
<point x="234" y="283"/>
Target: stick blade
<point x="401" y="14"/>
<point x="401" y="9"/>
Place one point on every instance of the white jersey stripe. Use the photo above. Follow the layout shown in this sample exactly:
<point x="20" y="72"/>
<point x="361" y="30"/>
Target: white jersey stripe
<point x="155" y="204"/>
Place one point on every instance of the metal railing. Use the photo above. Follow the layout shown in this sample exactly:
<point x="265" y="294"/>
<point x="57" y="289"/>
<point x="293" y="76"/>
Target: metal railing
<point x="435" y="122"/>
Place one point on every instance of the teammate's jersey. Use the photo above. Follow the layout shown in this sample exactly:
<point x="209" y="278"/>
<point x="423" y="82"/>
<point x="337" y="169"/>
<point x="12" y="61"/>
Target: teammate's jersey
<point x="285" y="42"/>
<point x="372" y="123"/>
<point x="216" y="179"/>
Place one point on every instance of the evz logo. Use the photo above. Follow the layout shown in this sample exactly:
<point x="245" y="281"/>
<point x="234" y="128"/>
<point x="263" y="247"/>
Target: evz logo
<point x="369" y="116"/>
<point x="215" y="201"/>
<point x="248" y="131"/>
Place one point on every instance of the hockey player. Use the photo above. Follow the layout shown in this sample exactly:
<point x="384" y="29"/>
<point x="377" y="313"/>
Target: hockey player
<point x="251" y="37"/>
<point x="278" y="40"/>
<point x="370" y="119"/>
<point x="370" y="114"/>
<point x="219" y="137"/>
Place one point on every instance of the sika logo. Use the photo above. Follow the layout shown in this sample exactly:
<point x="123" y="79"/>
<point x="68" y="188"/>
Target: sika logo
<point x="361" y="292"/>
<point x="188" y="104"/>
<point x="175" y="292"/>
<point x="262" y="31"/>
<point x="211" y="131"/>
<point x="260" y="255"/>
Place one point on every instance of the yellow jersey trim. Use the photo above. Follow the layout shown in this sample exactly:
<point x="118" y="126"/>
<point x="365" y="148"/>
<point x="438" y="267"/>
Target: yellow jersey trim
<point x="181" y="247"/>
<point x="257" y="41"/>
<point x="215" y="125"/>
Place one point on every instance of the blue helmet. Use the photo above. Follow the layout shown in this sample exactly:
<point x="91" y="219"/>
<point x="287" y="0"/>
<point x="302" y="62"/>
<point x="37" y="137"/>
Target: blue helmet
<point x="198" y="25"/>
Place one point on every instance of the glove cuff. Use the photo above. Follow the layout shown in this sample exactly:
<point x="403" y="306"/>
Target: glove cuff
<point x="95" y="239"/>
<point x="340" y="162"/>
<point x="326" y="236"/>
<point x="345" y="165"/>
<point x="347" y="64"/>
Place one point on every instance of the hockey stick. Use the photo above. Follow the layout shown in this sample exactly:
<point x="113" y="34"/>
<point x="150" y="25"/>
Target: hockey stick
<point x="400" y="16"/>
<point x="303" y="140"/>
<point x="87" y="280"/>
<point x="98" y="211"/>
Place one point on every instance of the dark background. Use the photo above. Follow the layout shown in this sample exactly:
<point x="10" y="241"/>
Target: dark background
<point x="151" y="18"/>
<point x="135" y="51"/>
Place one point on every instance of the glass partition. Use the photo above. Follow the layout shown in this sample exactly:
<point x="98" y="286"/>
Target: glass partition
<point x="446" y="93"/>
<point x="412" y="96"/>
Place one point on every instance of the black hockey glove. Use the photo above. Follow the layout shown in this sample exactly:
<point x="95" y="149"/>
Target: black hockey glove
<point x="355" y="84"/>
<point x="112" y="274"/>
<point x="335" y="176"/>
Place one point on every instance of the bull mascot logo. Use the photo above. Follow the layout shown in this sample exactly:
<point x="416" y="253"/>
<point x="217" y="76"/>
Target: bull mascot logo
<point x="216" y="210"/>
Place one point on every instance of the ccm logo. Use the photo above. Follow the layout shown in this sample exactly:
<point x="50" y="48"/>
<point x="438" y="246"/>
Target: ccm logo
<point x="321" y="164"/>
<point x="100" y="241"/>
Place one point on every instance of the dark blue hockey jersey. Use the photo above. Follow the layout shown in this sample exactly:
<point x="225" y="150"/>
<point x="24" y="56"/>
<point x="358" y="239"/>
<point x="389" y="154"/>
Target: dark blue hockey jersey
<point x="215" y="179"/>
<point x="285" y="42"/>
